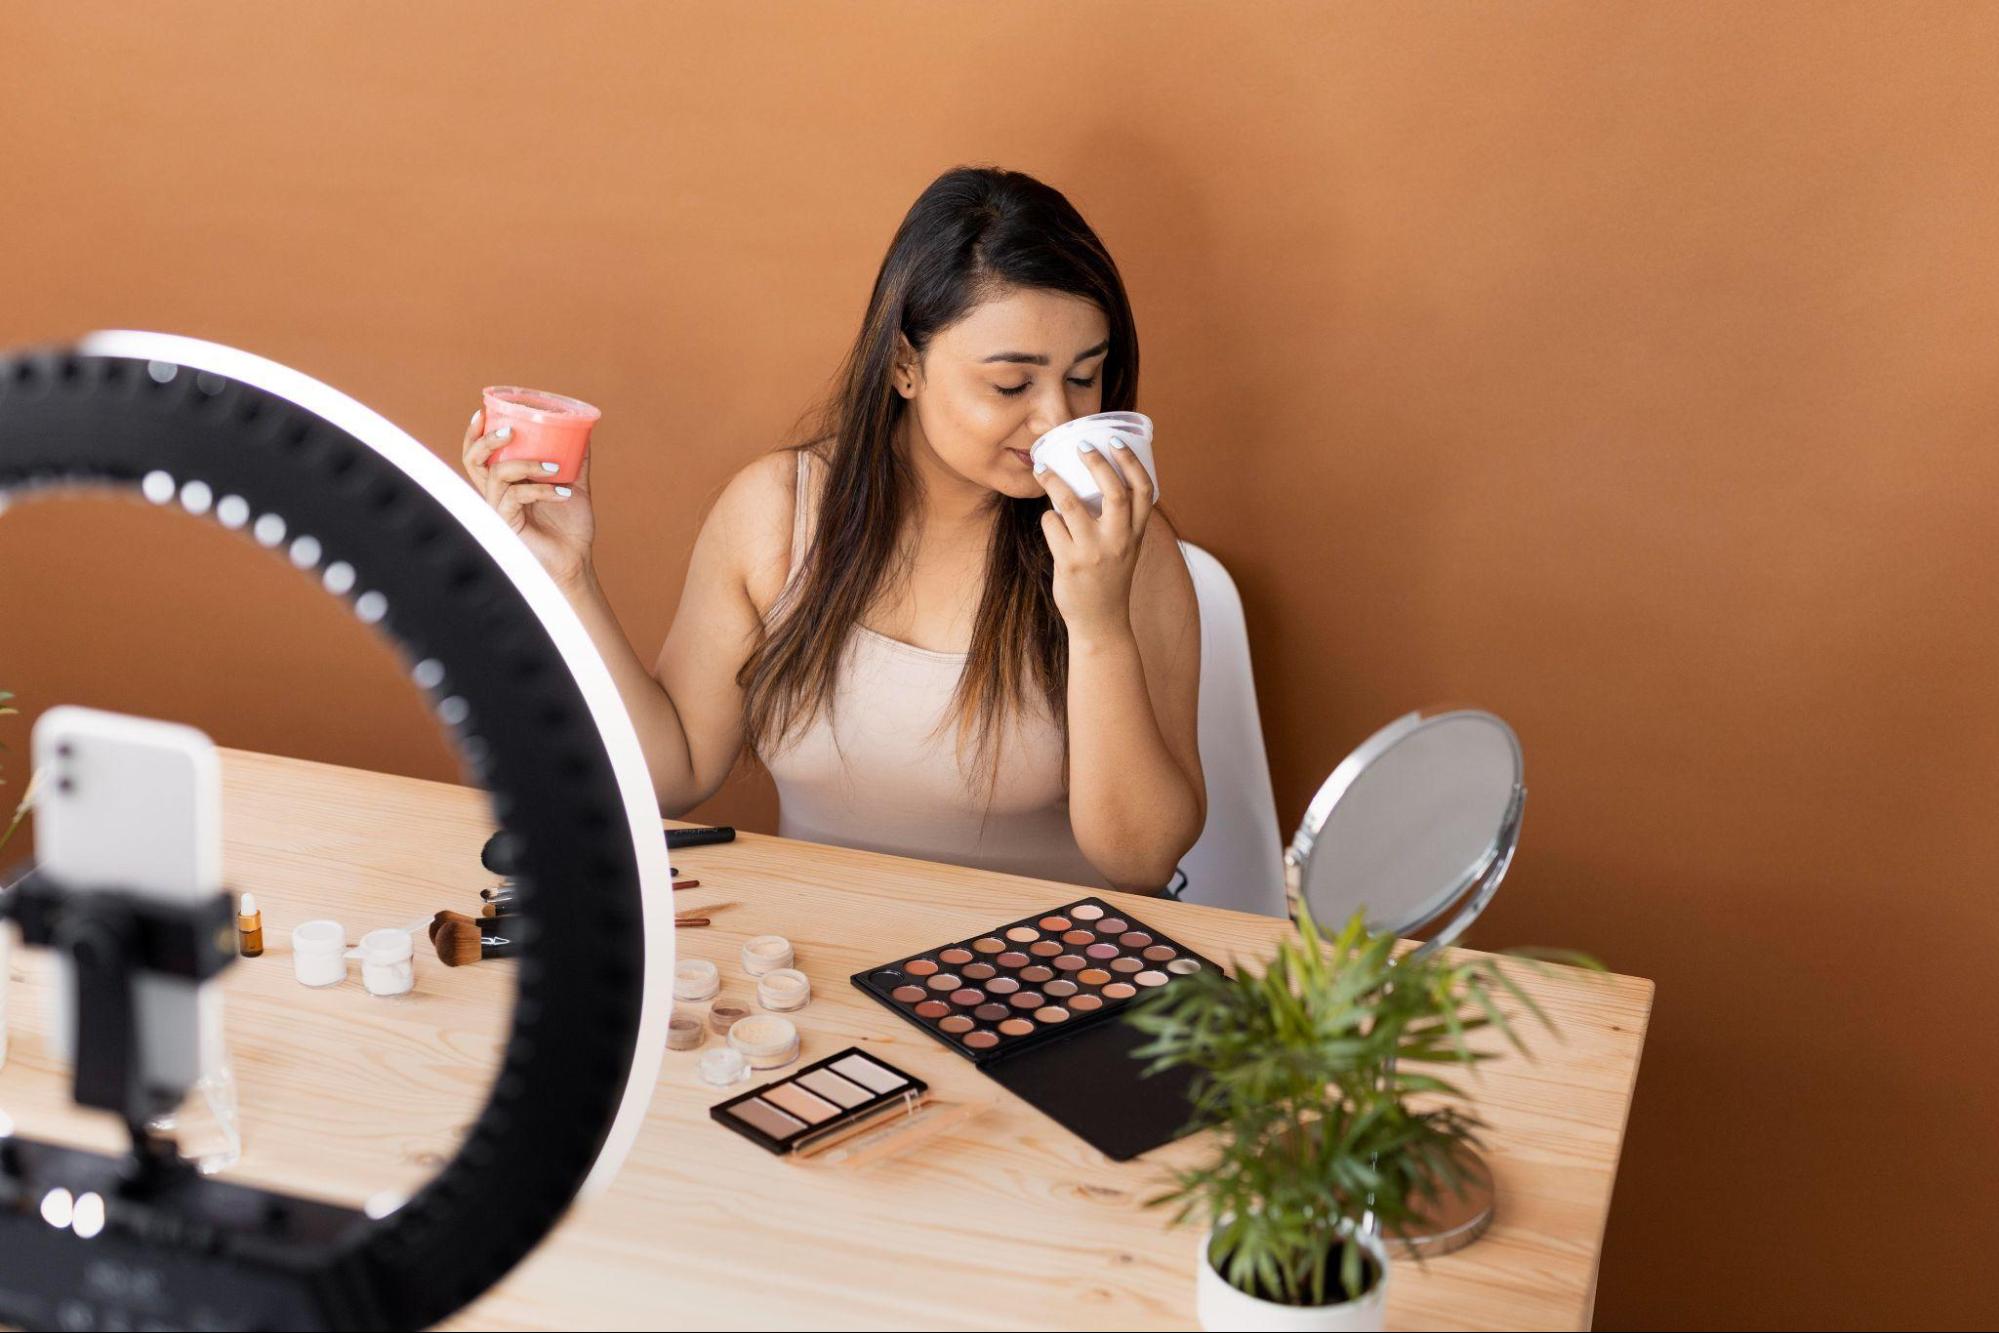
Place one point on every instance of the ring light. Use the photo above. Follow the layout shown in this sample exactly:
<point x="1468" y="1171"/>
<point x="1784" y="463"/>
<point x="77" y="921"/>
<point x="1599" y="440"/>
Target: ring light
<point x="379" y="521"/>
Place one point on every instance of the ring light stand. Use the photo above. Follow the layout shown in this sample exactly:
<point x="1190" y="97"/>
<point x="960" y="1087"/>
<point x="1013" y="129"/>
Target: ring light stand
<point x="375" y="519"/>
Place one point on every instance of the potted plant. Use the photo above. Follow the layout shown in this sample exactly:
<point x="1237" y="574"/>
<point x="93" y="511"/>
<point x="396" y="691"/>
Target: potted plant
<point x="1306" y="1072"/>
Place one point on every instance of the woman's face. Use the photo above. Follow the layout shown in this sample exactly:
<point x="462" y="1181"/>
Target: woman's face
<point x="1021" y="363"/>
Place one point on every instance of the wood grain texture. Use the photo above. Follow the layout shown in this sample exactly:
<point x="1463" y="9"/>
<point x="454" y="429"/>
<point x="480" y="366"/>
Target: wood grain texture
<point x="1009" y="1222"/>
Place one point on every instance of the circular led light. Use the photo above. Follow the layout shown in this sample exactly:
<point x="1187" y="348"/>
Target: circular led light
<point x="533" y="709"/>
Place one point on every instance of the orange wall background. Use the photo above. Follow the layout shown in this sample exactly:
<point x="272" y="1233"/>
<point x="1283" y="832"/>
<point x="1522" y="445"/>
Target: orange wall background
<point x="1629" y="370"/>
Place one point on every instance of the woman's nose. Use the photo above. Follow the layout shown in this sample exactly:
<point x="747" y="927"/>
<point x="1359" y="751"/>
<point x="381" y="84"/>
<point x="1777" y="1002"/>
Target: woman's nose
<point x="1051" y="409"/>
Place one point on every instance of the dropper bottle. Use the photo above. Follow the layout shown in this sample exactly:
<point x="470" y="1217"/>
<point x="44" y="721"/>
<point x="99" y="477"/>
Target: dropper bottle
<point x="249" y="927"/>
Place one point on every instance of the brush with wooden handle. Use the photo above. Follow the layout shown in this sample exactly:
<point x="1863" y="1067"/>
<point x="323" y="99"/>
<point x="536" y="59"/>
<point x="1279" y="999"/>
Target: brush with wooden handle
<point x="460" y="942"/>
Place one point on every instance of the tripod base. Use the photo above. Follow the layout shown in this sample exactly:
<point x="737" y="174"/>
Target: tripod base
<point x="1453" y="1219"/>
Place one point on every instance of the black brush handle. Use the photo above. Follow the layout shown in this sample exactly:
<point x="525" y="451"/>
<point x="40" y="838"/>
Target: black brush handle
<point x="698" y="837"/>
<point x="498" y="946"/>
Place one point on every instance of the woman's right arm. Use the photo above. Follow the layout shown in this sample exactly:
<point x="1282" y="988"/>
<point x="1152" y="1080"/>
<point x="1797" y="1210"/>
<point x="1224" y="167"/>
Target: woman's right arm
<point x="687" y="709"/>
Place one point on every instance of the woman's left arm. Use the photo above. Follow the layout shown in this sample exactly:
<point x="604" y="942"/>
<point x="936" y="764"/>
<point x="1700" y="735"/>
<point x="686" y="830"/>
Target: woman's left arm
<point x="1136" y="798"/>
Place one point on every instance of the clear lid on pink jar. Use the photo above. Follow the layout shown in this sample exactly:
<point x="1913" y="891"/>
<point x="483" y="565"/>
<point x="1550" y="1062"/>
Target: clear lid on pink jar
<point x="539" y="404"/>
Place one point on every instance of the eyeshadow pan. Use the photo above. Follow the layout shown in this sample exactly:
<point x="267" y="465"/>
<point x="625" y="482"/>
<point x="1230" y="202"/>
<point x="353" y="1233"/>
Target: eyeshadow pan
<point x="1159" y="953"/>
<point x="760" y="1113"/>
<point x="1069" y="962"/>
<point x="1101" y="951"/>
<point x="1060" y="989"/>
<point x="1002" y="985"/>
<point x="992" y="1013"/>
<point x="932" y="1009"/>
<point x="1183" y="967"/>
<point x="919" y="967"/>
<point x="981" y="971"/>
<point x="1086" y="911"/>
<point x="1078" y="937"/>
<point x="869" y="1074"/>
<point x="1085" y="1003"/>
<point x="1111" y="925"/>
<point x="988" y="945"/>
<point x="1054" y="923"/>
<point x="956" y="1023"/>
<point x="1013" y="958"/>
<point x="1027" y="999"/>
<point x="1131" y="939"/>
<point x="812" y="1109"/>
<point x="1120" y="990"/>
<point x="830" y="1085"/>
<point x="1124" y="965"/>
<point x="959" y="957"/>
<point x="1022" y="934"/>
<point x="1036" y="974"/>
<point x="1093" y="976"/>
<point x="968" y="997"/>
<point x="908" y="994"/>
<point x="1016" y="1027"/>
<point x="1054" y="1013"/>
<point x="942" y="981"/>
<point x="981" y="1040"/>
<point x="1044" y="948"/>
<point x="1150" y="978"/>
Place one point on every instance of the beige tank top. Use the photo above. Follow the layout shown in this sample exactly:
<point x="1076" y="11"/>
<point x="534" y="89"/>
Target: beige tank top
<point x="881" y="771"/>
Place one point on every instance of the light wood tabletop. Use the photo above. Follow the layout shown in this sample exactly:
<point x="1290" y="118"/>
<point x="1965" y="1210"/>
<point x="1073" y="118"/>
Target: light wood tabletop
<point x="1007" y="1221"/>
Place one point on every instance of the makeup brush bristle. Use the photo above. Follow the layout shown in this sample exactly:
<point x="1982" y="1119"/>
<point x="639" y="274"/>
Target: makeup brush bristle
<point x="457" y="939"/>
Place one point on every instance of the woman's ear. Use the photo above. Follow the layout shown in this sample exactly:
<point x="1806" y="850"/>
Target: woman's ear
<point x="907" y="372"/>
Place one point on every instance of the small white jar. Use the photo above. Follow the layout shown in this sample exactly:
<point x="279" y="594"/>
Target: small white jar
<point x="319" y="953"/>
<point x="766" y="953"/>
<point x="387" y="962"/>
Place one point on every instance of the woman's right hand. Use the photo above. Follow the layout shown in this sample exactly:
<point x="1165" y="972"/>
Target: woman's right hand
<point x="556" y="522"/>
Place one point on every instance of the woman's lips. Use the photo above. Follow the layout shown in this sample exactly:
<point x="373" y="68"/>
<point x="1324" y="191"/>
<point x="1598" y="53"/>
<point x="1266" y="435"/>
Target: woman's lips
<point x="1023" y="456"/>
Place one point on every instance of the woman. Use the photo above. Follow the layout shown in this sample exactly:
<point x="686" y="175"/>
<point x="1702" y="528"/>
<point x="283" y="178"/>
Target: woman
<point x="934" y="646"/>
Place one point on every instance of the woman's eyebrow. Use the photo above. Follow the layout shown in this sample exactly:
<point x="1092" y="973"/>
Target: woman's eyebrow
<point x="1030" y="359"/>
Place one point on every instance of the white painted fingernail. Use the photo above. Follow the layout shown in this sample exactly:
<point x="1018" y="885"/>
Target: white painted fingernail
<point x="1086" y="448"/>
<point x="551" y="467"/>
<point x="503" y="434"/>
<point x="475" y="416"/>
<point x="1118" y="443"/>
<point x="1040" y="468"/>
<point x="562" y="491"/>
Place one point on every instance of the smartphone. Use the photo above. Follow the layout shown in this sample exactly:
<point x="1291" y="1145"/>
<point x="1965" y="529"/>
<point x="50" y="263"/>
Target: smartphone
<point x="135" y="804"/>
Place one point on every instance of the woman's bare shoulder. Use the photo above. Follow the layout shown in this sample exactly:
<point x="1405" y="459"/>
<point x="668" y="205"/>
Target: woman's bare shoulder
<point x="750" y="526"/>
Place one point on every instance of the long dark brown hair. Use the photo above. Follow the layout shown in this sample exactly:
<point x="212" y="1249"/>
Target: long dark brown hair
<point x="974" y="232"/>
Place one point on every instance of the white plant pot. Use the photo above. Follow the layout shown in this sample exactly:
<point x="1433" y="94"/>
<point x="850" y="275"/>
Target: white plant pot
<point x="1223" y="1309"/>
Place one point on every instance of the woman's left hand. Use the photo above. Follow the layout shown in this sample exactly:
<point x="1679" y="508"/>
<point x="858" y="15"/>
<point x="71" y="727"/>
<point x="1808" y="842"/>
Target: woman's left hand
<point x="1096" y="554"/>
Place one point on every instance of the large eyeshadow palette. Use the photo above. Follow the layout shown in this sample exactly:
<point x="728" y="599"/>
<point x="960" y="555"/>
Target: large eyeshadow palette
<point x="1031" y="981"/>
<point x="825" y="1099"/>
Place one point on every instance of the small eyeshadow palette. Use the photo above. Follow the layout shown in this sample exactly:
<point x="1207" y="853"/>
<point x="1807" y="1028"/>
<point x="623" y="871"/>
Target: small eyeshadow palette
<point x="821" y="1103"/>
<point x="1031" y="981"/>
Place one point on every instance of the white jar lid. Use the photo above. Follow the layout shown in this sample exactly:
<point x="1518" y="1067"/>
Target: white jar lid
<point x="783" y="988"/>
<point x="762" y="953"/>
<point x="386" y="946"/>
<point x="319" y="937"/>
<point x="723" y="1066"/>
<point x="765" y="1040"/>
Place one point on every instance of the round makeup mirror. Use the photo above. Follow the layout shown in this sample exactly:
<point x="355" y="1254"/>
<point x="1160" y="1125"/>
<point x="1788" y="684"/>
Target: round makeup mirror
<point x="1415" y="830"/>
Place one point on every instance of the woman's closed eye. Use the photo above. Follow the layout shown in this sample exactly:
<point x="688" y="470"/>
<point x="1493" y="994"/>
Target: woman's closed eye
<point x="1016" y="390"/>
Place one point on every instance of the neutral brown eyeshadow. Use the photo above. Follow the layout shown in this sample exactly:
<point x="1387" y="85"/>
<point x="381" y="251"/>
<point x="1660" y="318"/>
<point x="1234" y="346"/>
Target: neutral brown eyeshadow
<point x="981" y="1040"/>
<point x="990" y="1012"/>
<point x="1078" y="937"/>
<point x="1095" y="976"/>
<point x="1159" y="953"/>
<point x="1016" y="1027"/>
<point x="988" y="945"/>
<point x="1102" y="951"/>
<point x="1035" y="975"/>
<point x="1069" y="962"/>
<point x="1085" y="1003"/>
<point x="968" y="997"/>
<point x="807" y="1106"/>
<point x="1012" y="958"/>
<point x="1110" y="925"/>
<point x="908" y="994"/>
<point x="760" y="1113"/>
<point x="1044" y="948"/>
<point x="1054" y="923"/>
<point x="1002" y="985"/>
<point x="1022" y="934"/>
<point x="956" y="1023"/>
<point x="1120" y="990"/>
<point x="980" y="971"/>
<point x="919" y="967"/>
<point x="1027" y="999"/>
<point x="1060" y="989"/>
<point x="955" y="957"/>
<point x="1131" y="939"/>
<point x="1054" y="1013"/>
<point x="932" y="1009"/>
<point x="1125" y="965"/>
<point x="829" y="1084"/>
<point x="1150" y="978"/>
<point x="1183" y="967"/>
<point x="942" y="981"/>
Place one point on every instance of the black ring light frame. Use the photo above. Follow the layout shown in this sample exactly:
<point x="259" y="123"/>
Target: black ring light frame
<point x="378" y="520"/>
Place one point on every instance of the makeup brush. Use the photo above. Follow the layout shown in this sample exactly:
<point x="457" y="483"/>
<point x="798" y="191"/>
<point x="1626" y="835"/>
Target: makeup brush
<point x="460" y="942"/>
<point x="439" y="918"/>
<point x="698" y="837"/>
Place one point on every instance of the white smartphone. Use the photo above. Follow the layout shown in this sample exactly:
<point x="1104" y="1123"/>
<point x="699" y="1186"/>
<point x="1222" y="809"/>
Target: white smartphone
<point x="135" y="803"/>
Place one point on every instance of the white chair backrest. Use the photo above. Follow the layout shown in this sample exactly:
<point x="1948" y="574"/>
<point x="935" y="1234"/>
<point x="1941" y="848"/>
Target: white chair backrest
<point x="1238" y="862"/>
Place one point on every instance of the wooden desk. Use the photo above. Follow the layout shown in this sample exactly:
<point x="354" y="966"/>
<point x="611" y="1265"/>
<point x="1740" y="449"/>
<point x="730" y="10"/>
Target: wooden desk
<point x="1011" y="1222"/>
